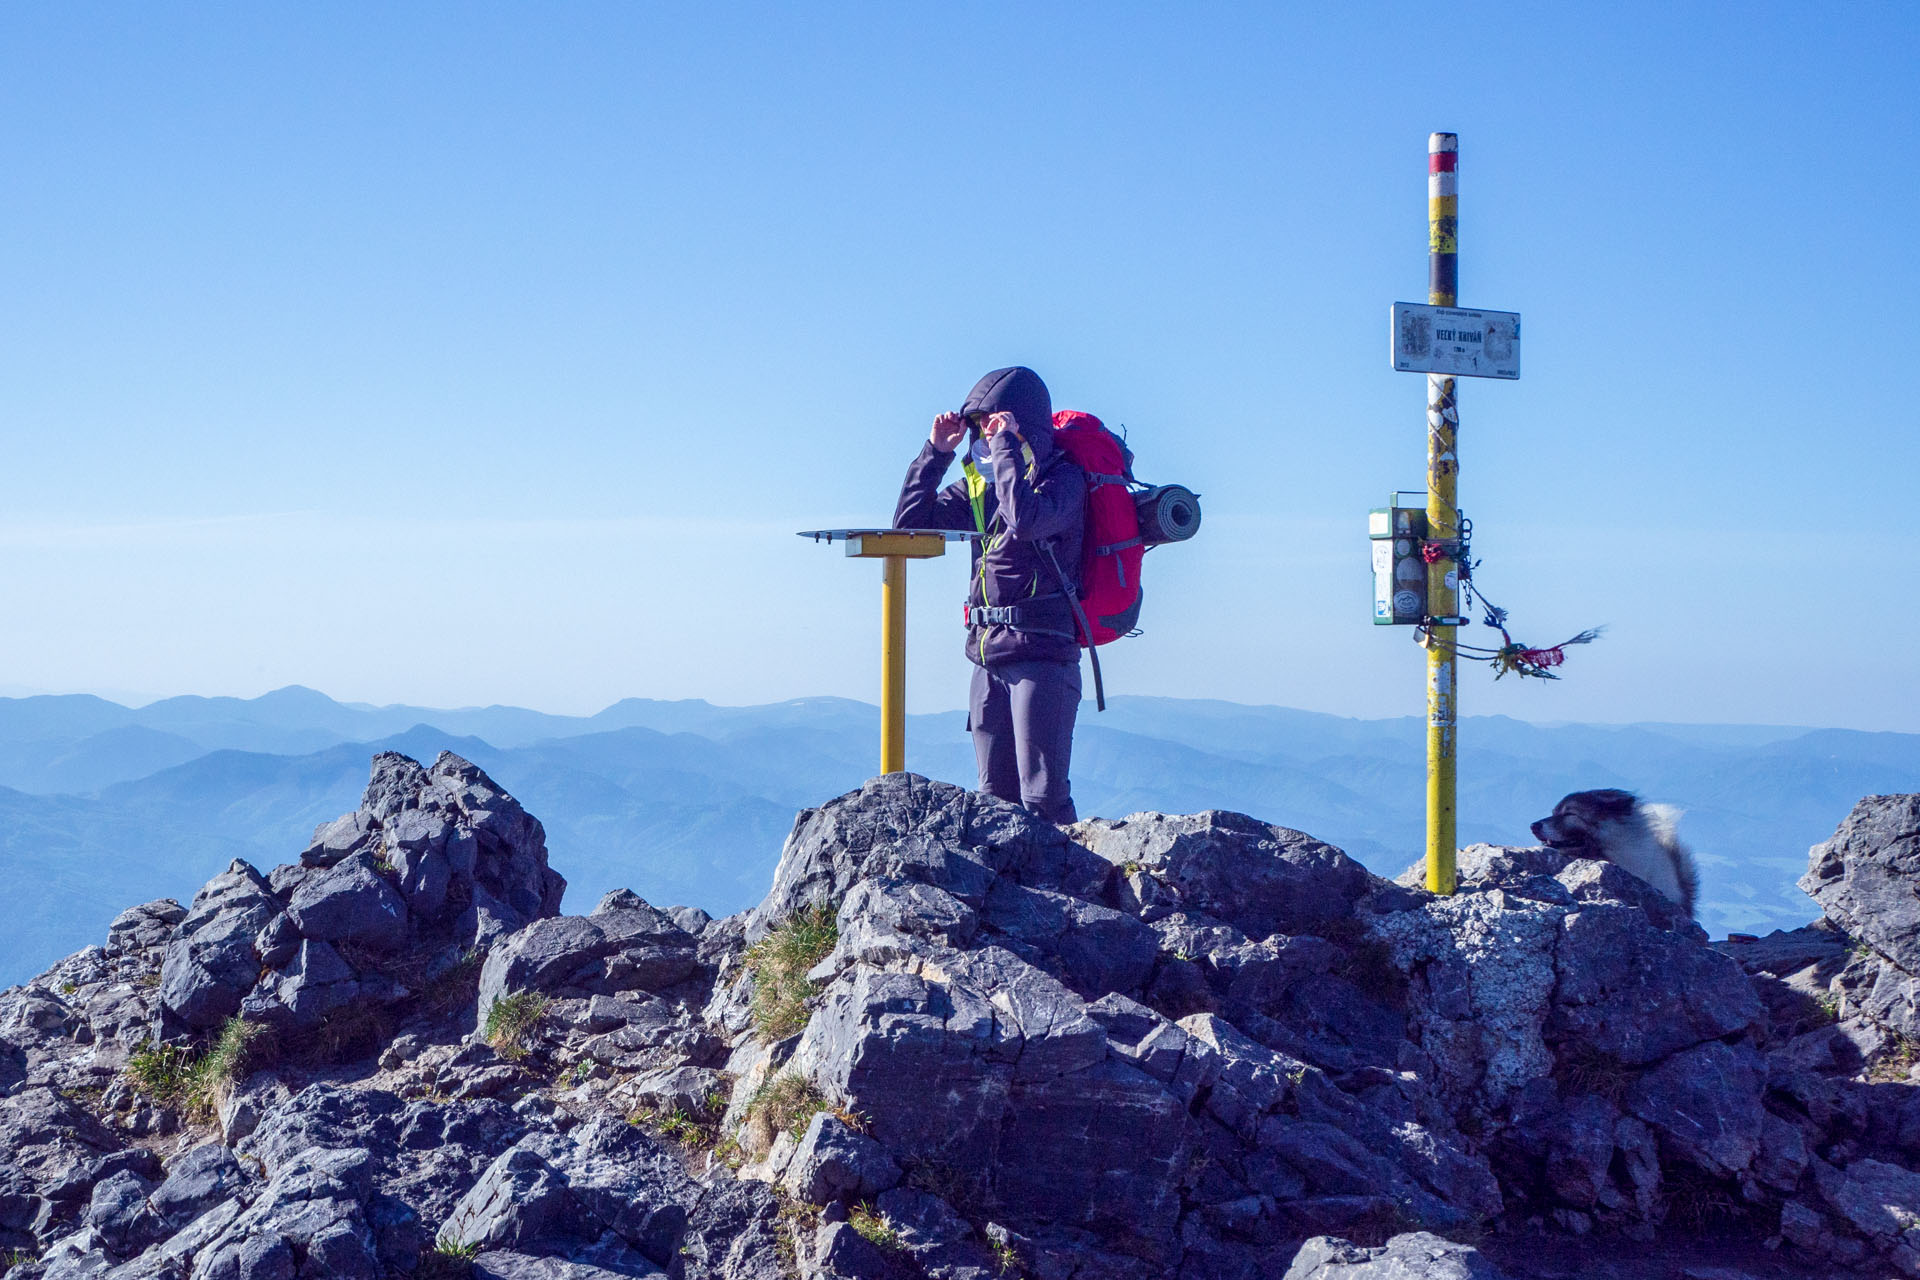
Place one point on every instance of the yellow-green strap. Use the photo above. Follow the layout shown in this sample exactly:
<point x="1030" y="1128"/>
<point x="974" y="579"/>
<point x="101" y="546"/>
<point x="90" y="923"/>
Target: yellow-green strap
<point x="977" y="499"/>
<point x="976" y="494"/>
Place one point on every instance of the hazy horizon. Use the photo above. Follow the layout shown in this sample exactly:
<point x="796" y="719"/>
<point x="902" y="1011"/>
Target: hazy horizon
<point x="138" y="701"/>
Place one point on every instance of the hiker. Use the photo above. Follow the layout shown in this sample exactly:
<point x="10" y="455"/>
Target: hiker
<point x="1028" y="501"/>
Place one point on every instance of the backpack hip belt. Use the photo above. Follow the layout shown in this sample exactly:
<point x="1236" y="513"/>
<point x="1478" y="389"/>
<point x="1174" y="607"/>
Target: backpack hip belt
<point x="1012" y="615"/>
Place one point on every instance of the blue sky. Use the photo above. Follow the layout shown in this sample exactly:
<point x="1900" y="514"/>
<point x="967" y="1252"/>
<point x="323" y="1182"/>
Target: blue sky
<point x="481" y="353"/>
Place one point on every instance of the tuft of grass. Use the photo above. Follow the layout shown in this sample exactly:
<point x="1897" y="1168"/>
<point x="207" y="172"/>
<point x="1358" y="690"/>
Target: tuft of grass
<point x="456" y="988"/>
<point x="800" y="1220"/>
<point x="1895" y="1061"/>
<point x="162" y="1072"/>
<point x="965" y="1190"/>
<point x="448" y="1247"/>
<point x="148" y="980"/>
<point x="876" y="1228"/>
<point x="1582" y="1070"/>
<point x="1698" y="1203"/>
<point x="227" y="1061"/>
<point x="1366" y="961"/>
<point x="788" y="1103"/>
<point x="1004" y="1258"/>
<point x="349" y="1033"/>
<point x="779" y="964"/>
<point x="1131" y="868"/>
<point x="447" y="1260"/>
<point x="11" y="1258"/>
<point x="196" y="1084"/>
<point x="511" y="1019"/>
<point x="680" y="1125"/>
<point x="68" y="988"/>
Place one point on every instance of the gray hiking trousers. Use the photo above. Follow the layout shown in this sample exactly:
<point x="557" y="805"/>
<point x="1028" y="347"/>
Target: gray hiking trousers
<point x="1021" y="715"/>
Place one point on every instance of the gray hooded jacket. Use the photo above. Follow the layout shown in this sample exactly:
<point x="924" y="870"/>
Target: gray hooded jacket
<point x="1035" y="496"/>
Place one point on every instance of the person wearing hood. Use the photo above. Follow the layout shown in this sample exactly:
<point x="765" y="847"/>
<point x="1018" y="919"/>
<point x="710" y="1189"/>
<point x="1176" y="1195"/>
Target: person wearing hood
<point x="1027" y="501"/>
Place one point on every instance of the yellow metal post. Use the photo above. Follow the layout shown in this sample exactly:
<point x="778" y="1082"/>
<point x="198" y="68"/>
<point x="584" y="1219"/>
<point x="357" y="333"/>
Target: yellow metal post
<point x="893" y="662"/>
<point x="893" y="548"/>
<point x="1443" y="518"/>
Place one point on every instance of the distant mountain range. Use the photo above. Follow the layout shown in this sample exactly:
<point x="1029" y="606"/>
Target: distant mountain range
<point x="103" y="805"/>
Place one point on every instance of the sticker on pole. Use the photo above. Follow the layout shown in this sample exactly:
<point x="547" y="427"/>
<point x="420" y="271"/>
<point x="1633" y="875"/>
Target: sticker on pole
<point x="1466" y="344"/>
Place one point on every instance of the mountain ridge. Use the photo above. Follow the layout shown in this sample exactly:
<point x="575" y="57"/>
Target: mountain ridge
<point x="687" y="800"/>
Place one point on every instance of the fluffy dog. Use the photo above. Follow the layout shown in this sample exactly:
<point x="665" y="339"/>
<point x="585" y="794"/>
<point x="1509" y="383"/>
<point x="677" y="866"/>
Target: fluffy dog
<point x="1633" y="836"/>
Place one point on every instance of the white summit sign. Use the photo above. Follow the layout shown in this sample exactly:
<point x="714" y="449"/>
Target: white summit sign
<point x="1449" y="340"/>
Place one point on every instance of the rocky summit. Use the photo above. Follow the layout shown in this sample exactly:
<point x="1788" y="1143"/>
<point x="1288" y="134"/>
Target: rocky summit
<point x="957" y="1042"/>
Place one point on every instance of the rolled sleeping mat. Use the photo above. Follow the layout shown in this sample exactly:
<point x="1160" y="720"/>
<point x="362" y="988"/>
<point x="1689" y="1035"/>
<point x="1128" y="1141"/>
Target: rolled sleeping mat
<point x="1168" y="513"/>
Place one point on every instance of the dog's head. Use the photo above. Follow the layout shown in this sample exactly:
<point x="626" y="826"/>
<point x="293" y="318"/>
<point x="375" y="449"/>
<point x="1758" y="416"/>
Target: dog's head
<point x="1577" y="823"/>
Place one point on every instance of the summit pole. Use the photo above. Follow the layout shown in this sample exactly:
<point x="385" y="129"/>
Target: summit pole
<point x="1443" y="517"/>
<point x="893" y="548"/>
<point x="893" y="664"/>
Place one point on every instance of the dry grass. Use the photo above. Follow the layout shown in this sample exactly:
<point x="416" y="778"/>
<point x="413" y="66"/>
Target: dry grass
<point x="966" y="1190"/>
<point x="350" y="1033"/>
<point x="1697" y="1202"/>
<point x="1895" y="1061"/>
<point x="1579" y="1069"/>
<point x="511" y="1019"/>
<point x="696" y="1130"/>
<point x="1366" y="961"/>
<point x="787" y="1104"/>
<point x="455" y="988"/>
<point x="196" y="1083"/>
<point x="779" y="964"/>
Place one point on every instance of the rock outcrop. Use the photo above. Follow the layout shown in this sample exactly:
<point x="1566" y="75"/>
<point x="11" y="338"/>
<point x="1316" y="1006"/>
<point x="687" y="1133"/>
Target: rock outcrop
<point x="960" y="1043"/>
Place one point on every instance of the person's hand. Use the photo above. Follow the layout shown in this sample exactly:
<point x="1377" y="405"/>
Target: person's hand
<point x="1002" y="421"/>
<point x="947" y="431"/>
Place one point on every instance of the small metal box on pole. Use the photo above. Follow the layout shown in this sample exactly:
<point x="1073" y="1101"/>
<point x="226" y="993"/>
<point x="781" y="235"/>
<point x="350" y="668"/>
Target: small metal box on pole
<point x="893" y="547"/>
<point x="1399" y="572"/>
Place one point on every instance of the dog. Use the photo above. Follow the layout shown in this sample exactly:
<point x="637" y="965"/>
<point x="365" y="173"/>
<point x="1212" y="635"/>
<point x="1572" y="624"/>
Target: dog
<point x="1635" y="837"/>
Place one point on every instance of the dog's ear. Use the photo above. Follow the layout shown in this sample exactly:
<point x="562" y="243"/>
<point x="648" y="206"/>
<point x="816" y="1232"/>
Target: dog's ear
<point x="1613" y="802"/>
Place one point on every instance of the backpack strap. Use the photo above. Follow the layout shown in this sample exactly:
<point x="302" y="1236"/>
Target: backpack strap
<point x="976" y="494"/>
<point x="1086" y="628"/>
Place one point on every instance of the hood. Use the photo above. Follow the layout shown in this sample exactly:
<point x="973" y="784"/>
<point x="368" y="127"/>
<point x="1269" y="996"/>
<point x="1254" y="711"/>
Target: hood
<point x="1019" y="391"/>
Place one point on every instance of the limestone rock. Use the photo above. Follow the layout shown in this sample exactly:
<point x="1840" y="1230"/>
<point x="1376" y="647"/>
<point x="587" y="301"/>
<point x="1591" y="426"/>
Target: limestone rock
<point x="1164" y="1048"/>
<point x="1416" y="1256"/>
<point x="833" y="1162"/>
<point x="210" y="962"/>
<point x="1260" y="879"/>
<point x="1863" y="876"/>
<point x="350" y="902"/>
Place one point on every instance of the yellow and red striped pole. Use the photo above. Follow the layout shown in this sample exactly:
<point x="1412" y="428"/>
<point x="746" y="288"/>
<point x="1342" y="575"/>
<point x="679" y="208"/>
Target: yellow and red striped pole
<point x="1443" y="517"/>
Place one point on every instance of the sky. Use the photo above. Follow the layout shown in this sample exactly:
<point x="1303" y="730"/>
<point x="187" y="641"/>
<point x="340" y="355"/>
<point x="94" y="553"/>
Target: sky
<point x="485" y="353"/>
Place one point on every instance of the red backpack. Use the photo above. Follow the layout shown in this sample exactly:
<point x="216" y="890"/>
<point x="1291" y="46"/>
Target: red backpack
<point x="1124" y="518"/>
<point x="1110" y="562"/>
